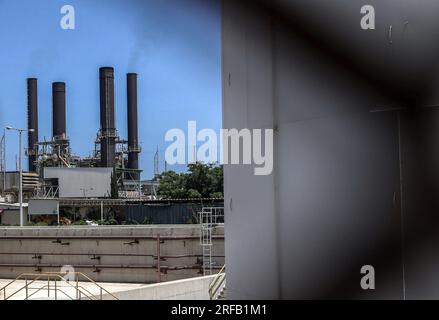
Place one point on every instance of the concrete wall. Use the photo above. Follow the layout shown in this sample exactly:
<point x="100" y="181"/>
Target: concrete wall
<point x="187" y="289"/>
<point x="332" y="202"/>
<point x="108" y="254"/>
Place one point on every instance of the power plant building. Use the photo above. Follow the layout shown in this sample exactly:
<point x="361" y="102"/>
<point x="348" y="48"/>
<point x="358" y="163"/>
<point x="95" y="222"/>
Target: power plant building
<point x="74" y="176"/>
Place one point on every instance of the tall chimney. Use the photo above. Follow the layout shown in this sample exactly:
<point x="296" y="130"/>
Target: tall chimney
<point x="32" y="122"/>
<point x="108" y="129"/>
<point x="59" y="109"/>
<point x="133" y="140"/>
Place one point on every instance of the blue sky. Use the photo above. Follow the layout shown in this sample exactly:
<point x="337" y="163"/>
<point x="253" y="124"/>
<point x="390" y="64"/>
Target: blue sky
<point x="174" y="46"/>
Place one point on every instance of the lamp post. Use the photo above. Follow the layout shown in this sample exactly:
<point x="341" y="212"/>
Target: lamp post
<point x="4" y="160"/>
<point x="20" y="187"/>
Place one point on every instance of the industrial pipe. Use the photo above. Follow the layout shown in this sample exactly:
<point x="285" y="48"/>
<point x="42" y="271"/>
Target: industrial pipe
<point x="32" y="122"/>
<point x="133" y="143"/>
<point x="108" y="128"/>
<point x="103" y="238"/>
<point x="59" y="109"/>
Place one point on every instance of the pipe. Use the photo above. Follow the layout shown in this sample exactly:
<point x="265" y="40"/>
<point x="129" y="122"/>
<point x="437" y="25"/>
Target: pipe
<point x="102" y="238"/>
<point x="32" y="122"/>
<point x="102" y="266"/>
<point x="159" y="269"/>
<point x="107" y="255"/>
<point x="133" y="143"/>
<point x="59" y="110"/>
<point x="108" y="129"/>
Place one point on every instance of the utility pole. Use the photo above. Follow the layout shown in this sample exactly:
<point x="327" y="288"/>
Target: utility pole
<point x="20" y="169"/>
<point x="3" y="159"/>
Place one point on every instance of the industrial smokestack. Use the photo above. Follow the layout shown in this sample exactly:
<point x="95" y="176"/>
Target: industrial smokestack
<point x="59" y="109"/>
<point x="133" y="142"/>
<point x="108" y="129"/>
<point x="32" y="122"/>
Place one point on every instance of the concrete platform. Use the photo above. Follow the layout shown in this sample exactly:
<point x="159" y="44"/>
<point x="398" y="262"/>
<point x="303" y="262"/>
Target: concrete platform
<point x="187" y="289"/>
<point x="70" y="292"/>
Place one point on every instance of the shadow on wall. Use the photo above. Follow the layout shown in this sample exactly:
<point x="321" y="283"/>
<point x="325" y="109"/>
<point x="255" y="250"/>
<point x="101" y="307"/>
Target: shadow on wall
<point x="356" y="149"/>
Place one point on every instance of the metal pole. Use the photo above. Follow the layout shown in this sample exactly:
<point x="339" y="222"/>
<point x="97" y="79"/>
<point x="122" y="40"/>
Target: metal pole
<point x="27" y="290"/>
<point x="140" y="187"/>
<point x="4" y="160"/>
<point x="21" y="179"/>
<point x="102" y="211"/>
<point x="158" y="259"/>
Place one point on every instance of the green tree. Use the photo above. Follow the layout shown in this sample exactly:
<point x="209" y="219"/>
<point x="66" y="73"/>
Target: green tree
<point x="200" y="181"/>
<point x="172" y="185"/>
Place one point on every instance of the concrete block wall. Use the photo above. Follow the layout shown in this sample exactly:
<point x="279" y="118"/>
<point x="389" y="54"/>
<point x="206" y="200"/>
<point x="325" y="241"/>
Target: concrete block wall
<point x="108" y="254"/>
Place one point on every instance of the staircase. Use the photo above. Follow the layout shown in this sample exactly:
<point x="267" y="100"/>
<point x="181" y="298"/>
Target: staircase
<point x="217" y="288"/>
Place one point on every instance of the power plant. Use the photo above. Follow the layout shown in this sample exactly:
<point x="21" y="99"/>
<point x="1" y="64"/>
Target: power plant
<point x="110" y="150"/>
<point x="89" y="209"/>
<point x="50" y="162"/>
<point x="103" y="205"/>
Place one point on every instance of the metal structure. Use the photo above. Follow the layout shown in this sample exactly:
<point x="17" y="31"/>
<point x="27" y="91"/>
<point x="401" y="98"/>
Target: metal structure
<point x="110" y="151"/>
<point x="209" y="219"/>
<point x="32" y="122"/>
<point x="133" y="139"/>
<point x="108" y="133"/>
<point x="59" y="109"/>
<point x="156" y="163"/>
<point x="57" y="282"/>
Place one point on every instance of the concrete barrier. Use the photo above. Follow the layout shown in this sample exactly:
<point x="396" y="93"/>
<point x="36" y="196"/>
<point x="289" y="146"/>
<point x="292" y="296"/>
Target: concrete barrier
<point x="120" y="254"/>
<point x="187" y="289"/>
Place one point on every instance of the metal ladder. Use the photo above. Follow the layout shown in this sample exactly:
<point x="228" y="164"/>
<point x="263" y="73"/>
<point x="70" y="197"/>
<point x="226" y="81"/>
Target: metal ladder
<point x="209" y="218"/>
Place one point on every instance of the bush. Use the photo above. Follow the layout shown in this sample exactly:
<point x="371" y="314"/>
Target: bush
<point x="41" y="224"/>
<point x="109" y="222"/>
<point x="80" y="223"/>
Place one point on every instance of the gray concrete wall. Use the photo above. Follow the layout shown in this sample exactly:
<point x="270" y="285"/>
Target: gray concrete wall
<point x="332" y="202"/>
<point x="108" y="254"/>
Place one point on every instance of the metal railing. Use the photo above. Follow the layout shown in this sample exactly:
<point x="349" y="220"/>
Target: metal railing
<point x="217" y="284"/>
<point x="34" y="284"/>
<point x="51" y="192"/>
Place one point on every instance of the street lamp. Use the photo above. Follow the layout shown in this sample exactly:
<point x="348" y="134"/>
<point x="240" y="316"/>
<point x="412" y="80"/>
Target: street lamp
<point x="20" y="187"/>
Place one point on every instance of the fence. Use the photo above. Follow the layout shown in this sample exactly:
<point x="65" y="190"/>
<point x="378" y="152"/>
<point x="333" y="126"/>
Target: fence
<point x="165" y="213"/>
